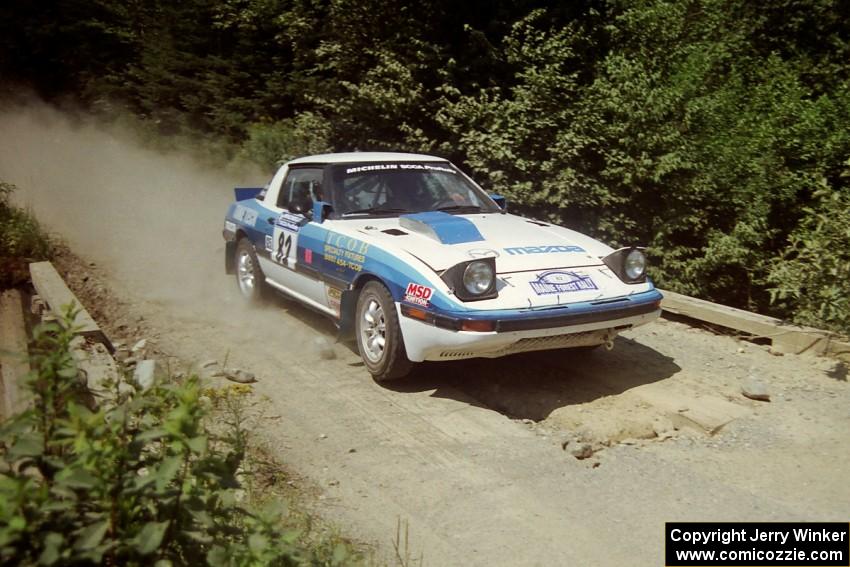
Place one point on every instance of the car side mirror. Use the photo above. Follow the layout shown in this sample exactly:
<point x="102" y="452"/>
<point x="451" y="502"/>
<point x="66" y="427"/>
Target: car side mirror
<point x="321" y="211"/>
<point x="501" y="201"/>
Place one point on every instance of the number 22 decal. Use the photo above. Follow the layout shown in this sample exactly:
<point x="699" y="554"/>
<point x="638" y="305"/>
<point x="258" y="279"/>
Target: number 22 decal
<point x="284" y="244"/>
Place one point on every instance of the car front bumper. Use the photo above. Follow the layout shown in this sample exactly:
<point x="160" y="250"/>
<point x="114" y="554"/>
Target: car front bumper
<point x="441" y="336"/>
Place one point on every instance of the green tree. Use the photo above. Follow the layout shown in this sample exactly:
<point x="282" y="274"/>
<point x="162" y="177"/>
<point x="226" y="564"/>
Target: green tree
<point x="684" y="132"/>
<point x="811" y="278"/>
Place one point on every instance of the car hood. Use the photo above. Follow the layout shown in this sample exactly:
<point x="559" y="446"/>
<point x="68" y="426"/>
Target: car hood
<point x="441" y="241"/>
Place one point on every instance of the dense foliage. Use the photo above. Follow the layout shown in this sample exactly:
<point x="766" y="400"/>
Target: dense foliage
<point x="715" y="131"/>
<point x="22" y="240"/>
<point x="143" y="480"/>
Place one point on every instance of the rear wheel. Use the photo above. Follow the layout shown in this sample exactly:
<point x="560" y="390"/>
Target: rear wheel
<point x="379" y="339"/>
<point x="249" y="276"/>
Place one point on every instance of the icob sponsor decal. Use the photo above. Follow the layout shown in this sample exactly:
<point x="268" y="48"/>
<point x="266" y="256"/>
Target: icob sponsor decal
<point x="418" y="294"/>
<point x="229" y="226"/>
<point x="345" y="252"/>
<point x="289" y="221"/>
<point x="513" y="251"/>
<point x="245" y="215"/>
<point x="557" y="281"/>
<point x="269" y="243"/>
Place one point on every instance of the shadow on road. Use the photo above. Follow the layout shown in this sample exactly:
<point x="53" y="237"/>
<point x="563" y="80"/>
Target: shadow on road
<point x="532" y="385"/>
<point x="522" y="386"/>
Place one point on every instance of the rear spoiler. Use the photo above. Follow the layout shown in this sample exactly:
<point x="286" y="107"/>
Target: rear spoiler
<point x="245" y="193"/>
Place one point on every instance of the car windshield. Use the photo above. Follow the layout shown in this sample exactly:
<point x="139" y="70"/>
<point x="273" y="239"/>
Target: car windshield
<point x="372" y="189"/>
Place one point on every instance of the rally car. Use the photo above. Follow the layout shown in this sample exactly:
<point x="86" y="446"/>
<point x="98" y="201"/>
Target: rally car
<point x="411" y="257"/>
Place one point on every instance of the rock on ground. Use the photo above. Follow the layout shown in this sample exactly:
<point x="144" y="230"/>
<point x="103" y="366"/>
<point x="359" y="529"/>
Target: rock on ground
<point x="755" y="390"/>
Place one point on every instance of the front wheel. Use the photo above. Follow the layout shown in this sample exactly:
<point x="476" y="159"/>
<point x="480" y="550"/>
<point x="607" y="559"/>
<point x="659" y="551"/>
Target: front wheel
<point x="379" y="339"/>
<point x="249" y="276"/>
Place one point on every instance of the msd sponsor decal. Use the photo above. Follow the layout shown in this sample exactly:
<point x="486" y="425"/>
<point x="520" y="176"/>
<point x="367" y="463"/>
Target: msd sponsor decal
<point x="558" y="281"/>
<point x="418" y="294"/>
<point x="513" y="251"/>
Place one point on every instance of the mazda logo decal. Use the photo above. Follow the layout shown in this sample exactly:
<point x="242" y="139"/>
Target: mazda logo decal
<point x="482" y="253"/>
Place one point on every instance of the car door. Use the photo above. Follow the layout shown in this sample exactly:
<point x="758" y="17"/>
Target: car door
<point x="300" y="188"/>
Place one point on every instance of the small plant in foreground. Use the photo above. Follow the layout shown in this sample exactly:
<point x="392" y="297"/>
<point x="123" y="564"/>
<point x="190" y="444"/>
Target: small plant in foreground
<point x="142" y="480"/>
<point x="22" y="240"/>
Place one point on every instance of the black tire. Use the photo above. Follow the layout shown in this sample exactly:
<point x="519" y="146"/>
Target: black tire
<point x="378" y="335"/>
<point x="584" y="349"/>
<point x="249" y="277"/>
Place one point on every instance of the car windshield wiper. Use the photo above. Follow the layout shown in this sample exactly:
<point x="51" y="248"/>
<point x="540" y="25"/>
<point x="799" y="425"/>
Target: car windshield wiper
<point x="468" y="208"/>
<point x="376" y="211"/>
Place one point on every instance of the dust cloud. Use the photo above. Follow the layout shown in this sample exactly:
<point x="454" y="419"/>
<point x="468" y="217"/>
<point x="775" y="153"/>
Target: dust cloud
<point x="152" y="219"/>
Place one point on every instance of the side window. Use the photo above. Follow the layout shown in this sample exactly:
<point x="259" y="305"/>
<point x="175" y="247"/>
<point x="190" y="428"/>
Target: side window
<point x="300" y="189"/>
<point x="363" y="191"/>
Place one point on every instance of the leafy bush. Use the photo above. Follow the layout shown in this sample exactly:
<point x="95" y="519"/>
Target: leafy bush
<point x="813" y="273"/>
<point x="700" y="128"/>
<point x="22" y="240"/>
<point x="692" y="129"/>
<point x="272" y="144"/>
<point x="142" y="480"/>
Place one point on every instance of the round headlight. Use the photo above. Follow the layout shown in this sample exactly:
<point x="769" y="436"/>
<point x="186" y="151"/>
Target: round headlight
<point x="477" y="277"/>
<point x="635" y="264"/>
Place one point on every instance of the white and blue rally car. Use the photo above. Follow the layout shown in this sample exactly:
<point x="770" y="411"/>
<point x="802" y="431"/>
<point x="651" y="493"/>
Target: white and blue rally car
<point x="409" y="255"/>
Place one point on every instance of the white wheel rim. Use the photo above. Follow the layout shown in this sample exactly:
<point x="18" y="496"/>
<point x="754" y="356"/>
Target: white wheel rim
<point x="245" y="274"/>
<point x="373" y="331"/>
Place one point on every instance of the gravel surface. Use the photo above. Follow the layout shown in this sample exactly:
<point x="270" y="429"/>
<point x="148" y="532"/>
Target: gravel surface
<point x="550" y="458"/>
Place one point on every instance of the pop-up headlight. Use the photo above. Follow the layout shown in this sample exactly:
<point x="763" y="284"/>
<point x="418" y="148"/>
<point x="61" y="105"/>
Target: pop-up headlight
<point x="628" y="263"/>
<point x="474" y="280"/>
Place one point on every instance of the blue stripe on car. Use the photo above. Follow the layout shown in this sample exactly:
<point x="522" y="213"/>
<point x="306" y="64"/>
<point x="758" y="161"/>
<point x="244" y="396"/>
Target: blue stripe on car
<point x="450" y="229"/>
<point x="396" y="273"/>
<point x="260" y="228"/>
<point x="608" y="304"/>
<point x="336" y="256"/>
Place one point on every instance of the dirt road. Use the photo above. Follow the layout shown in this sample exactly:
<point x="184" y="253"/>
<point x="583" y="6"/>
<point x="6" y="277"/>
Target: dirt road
<point x="477" y="456"/>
